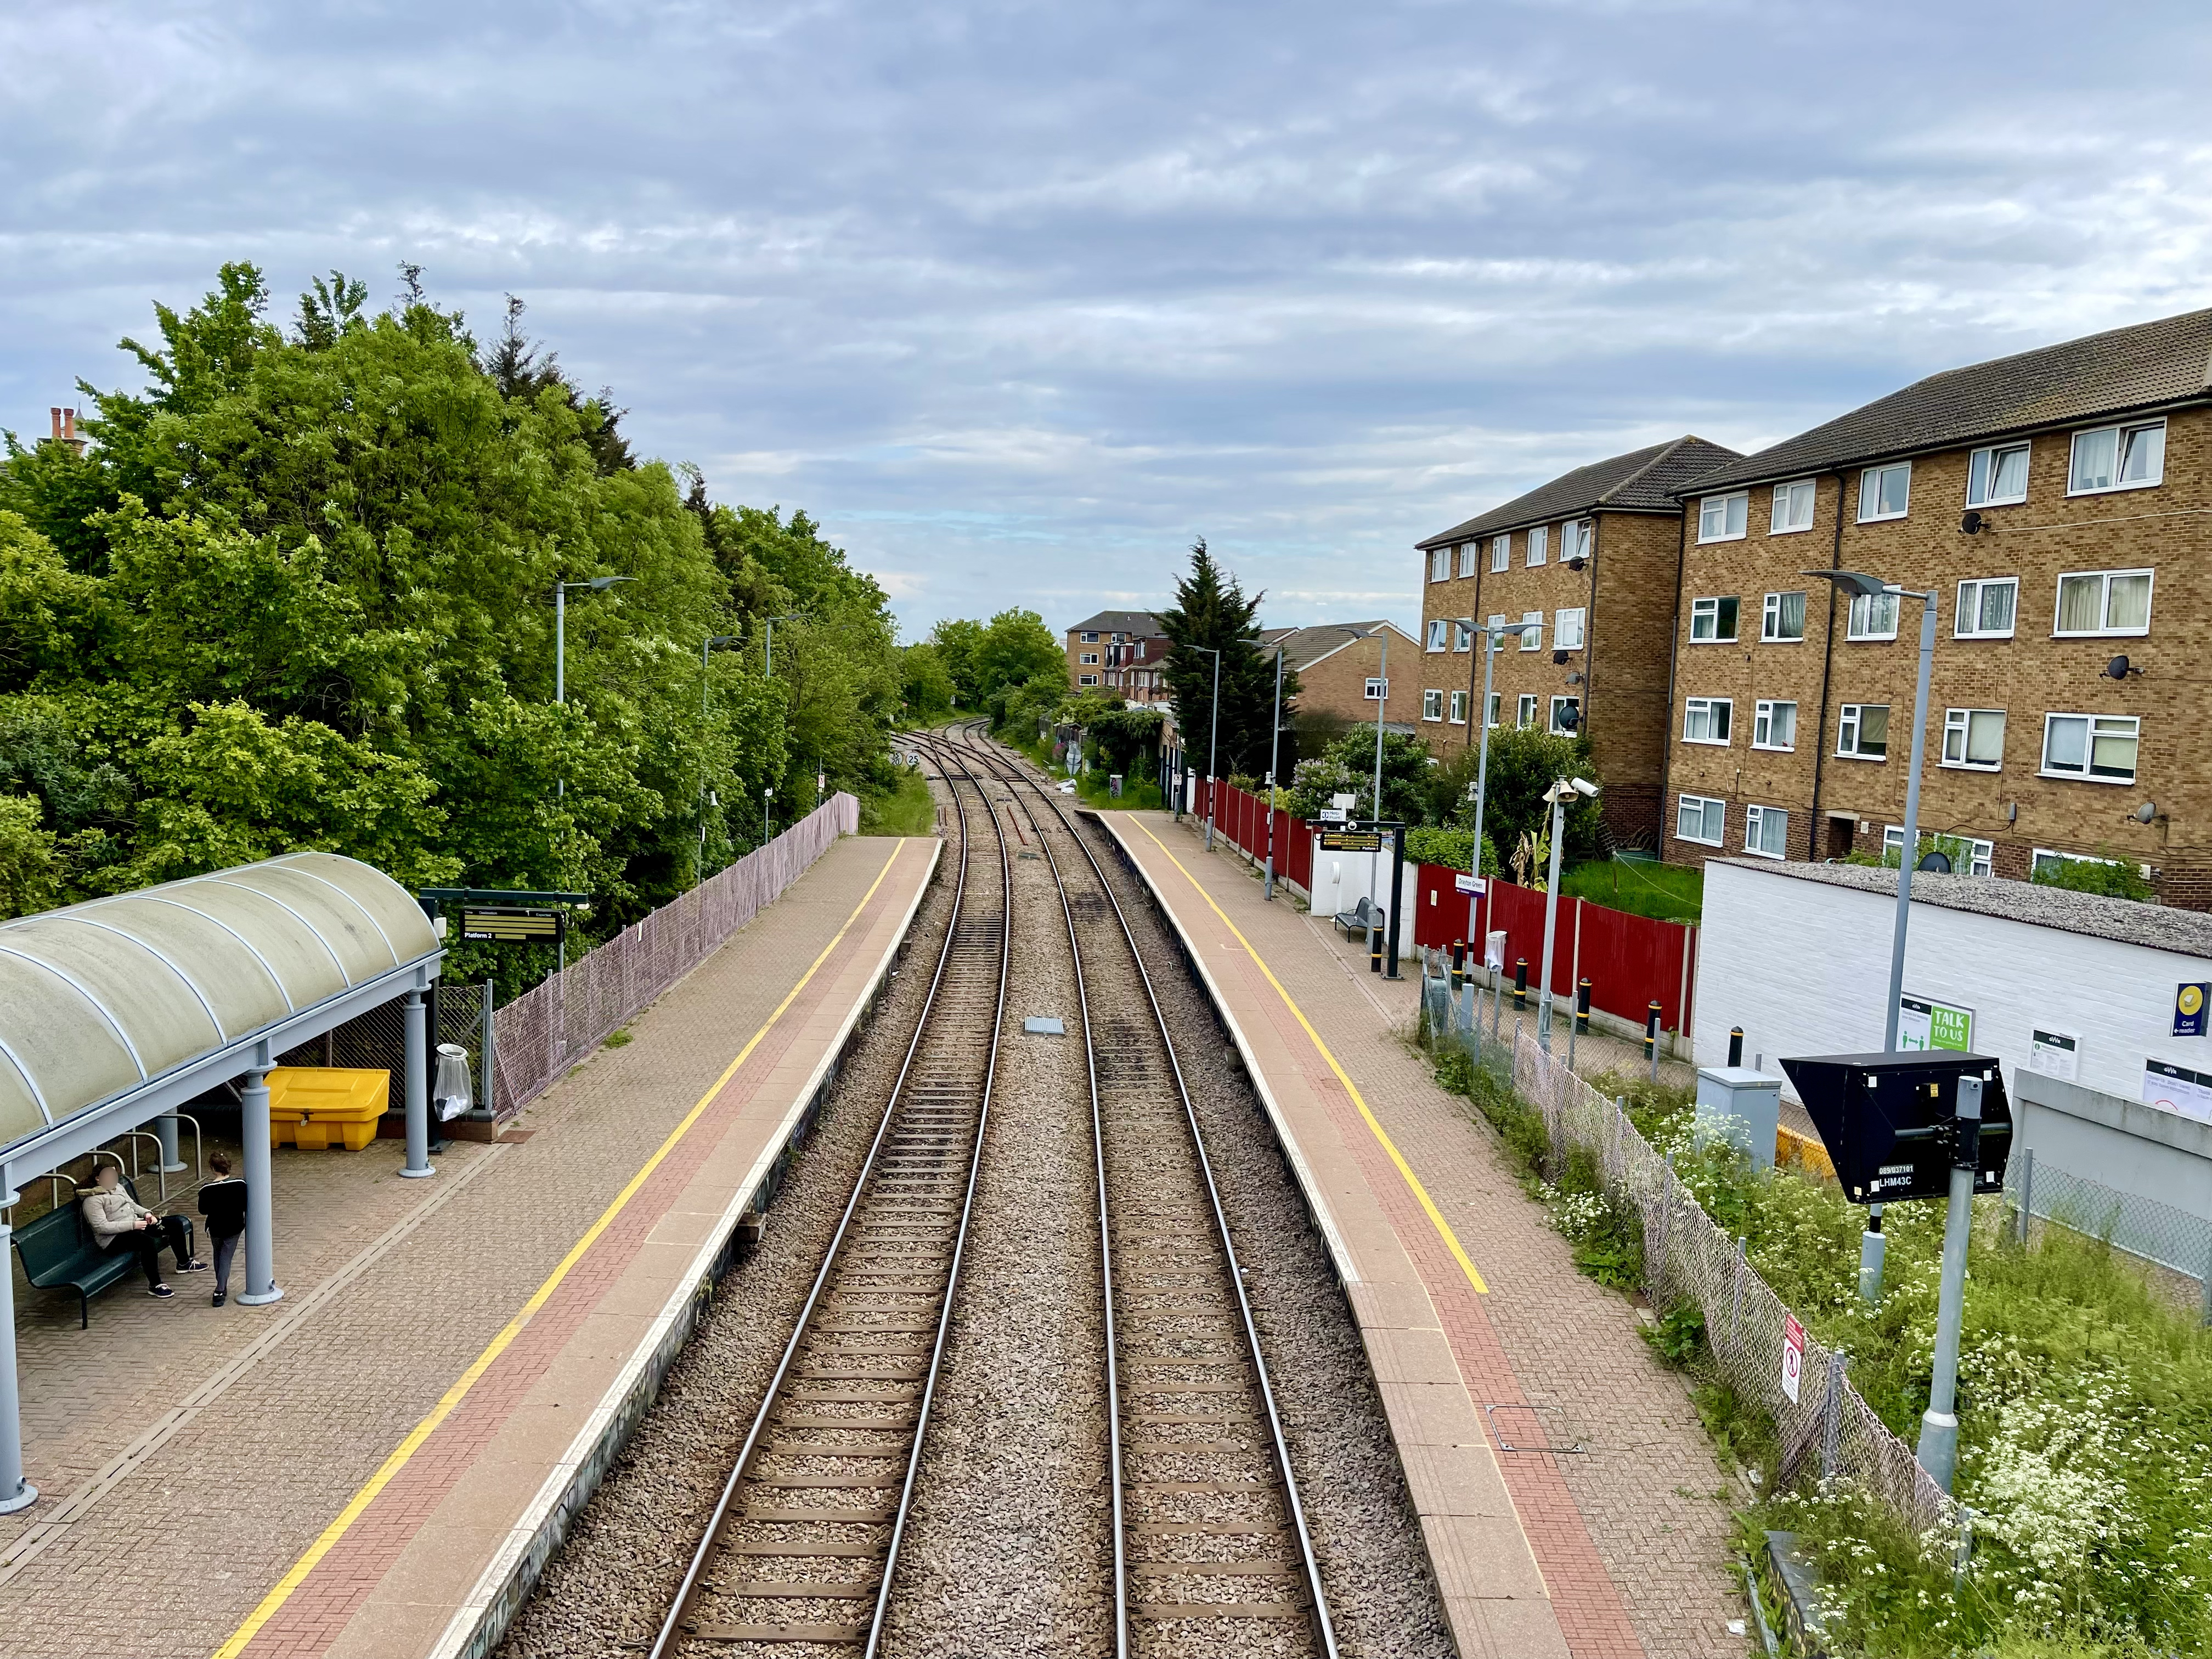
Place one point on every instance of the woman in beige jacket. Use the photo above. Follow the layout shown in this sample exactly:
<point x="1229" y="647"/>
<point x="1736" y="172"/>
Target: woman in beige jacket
<point x="120" y="1222"/>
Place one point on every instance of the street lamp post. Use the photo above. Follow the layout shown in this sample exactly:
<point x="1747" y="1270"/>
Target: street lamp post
<point x="1212" y="739"/>
<point x="1274" y="749"/>
<point x="707" y="645"/>
<point x="561" y="590"/>
<point x="1491" y="633"/>
<point x="1381" y="631"/>
<point x="1558" y="795"/>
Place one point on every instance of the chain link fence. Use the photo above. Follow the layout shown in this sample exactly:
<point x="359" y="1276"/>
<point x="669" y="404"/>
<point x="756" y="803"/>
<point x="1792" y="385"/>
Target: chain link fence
<point x="2175" y="1245"/>
<point x="1824" y="1427"/>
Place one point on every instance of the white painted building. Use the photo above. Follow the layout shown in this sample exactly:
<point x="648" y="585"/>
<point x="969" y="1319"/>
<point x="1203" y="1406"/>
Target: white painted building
<point x="1798" y="956"/>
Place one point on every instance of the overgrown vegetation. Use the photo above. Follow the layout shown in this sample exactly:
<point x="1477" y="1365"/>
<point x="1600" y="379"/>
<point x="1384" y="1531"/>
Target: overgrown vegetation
<point x="1665" y="892"/>
<point x="2085" y="1400"/>
<point x="903" y="809"/>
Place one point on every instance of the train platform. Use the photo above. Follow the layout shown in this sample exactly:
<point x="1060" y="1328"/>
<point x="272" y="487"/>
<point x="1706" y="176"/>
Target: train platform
<point x="365" y="1468"/>
<point x="1570" y="1500"/>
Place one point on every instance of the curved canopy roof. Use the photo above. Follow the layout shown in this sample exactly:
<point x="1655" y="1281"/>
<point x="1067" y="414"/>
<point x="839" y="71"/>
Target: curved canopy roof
<point x="99" y="998"/>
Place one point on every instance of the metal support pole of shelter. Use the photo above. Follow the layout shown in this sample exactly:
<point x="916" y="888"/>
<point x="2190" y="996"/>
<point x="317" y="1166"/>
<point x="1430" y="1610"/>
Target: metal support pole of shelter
<point x="413" y="1061"/>
<point x="15" y="1492"/>
<point x="260" y="1200"/>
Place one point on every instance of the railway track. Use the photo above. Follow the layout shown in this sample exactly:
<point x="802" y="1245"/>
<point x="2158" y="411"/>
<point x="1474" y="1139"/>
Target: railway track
<point x="804" y="1540"/>
<point x="1211" y="1549"/>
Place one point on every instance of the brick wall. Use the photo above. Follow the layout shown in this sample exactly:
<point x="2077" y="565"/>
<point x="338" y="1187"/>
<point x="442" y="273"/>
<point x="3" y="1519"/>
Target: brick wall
<point x="1626" y="592"/>
<point x="1337" y="685"/>
<point x="2164" y="529"/>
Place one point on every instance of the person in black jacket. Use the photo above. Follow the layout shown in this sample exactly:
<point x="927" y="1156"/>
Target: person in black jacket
<point x="222" y="1201"/>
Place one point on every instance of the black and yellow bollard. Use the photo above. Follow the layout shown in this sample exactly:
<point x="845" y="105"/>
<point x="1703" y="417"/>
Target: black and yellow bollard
<point x="1735" y="1045"/>
<point x="1520" y="985"/>
<point x="1651" y="1036"/>
<point x="1458" y="965"/>
<point x="1374" y="949"/>
<point x="1582" y="1007"/>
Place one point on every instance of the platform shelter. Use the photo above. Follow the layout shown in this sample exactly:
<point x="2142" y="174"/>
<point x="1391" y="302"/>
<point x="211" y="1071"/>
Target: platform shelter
<point x="116" y="1011"/>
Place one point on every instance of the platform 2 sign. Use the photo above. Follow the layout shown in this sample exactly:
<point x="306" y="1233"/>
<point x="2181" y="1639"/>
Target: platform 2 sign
<point x="505" y="924"/>
<point x="1886" y="1121"/>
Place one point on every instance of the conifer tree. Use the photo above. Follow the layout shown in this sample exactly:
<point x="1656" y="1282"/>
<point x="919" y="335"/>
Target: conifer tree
<point x="1212" y="613"/>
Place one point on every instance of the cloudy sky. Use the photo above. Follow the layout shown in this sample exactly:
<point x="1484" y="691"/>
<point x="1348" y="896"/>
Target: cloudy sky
<point x="1017" y="298"/>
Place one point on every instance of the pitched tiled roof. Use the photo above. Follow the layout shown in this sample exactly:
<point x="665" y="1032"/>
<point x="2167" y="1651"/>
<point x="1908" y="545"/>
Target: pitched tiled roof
<point x="1644" y="480"/>
<point x="1305" y="647"/>
<point x="1118" y="622"/>
<point x="2128" y="368"/>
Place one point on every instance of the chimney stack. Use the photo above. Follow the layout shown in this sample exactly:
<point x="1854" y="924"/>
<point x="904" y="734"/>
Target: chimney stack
<point x="64" y="425"/>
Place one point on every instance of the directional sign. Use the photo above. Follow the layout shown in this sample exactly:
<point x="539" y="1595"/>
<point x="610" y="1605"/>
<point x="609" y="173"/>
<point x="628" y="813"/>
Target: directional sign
<point x="1886" y="1120"/>
<point x="507" y="924"/>
<point x="1334" y="814"/>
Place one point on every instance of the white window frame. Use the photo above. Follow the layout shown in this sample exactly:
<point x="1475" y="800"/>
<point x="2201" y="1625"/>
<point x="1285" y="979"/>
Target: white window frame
<point x="1458" y="714"/>
<point x="1770" y="611"/>
<point x="2087" y="775"/>
<point x="1851" y="616"/>
<point x="1440" y="564"/>
<point x="1559" y="640"/>
<point x="1960" y="605"/>
<point x="1088" y="638"/>
<point x="1439" y="633"/>
<point x="1087" y="679"/>
<point x="1962" y="720"/>
<point x="1463" y="635"/>
<point x="1701" y="802"/>
<point x="1432" y="705"/>
<point x="1501" y="551"/>
<point x="1557" y="703"/>
<point x="1849" y="717"/>
<point x="1762" y="716"/>
<point x="1754" y="821"/>
<point x="1711" y="607"/>
<point x="1087" y="660"/>
<point x="2037" y="855"/>
<point x="1981" y="855"/>
<point x="1524" y="709"/>
<point x="1786" y="493"/>
<point x="1534" y="639"/>
<point x="1468" y="555"/>
<point x="2119" y="431"/>
<point x="1868" y="475"/>
<point x="1987" y="456"/>
<point x="1577" y="536"/>
<point x="1539" y="548"/>
<point x="1497" y="707"/>
<point x="1733" y="508"/>
<point x="1723" y="707"/>
<point x="2104" y="605"/>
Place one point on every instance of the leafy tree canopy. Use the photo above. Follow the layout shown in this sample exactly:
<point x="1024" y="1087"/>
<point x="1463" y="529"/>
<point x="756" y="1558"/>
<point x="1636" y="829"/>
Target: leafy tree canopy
<point x="298" y="593"/>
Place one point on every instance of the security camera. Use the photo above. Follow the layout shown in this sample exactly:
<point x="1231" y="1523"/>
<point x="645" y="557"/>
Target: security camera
<point x="1584" y="786"/>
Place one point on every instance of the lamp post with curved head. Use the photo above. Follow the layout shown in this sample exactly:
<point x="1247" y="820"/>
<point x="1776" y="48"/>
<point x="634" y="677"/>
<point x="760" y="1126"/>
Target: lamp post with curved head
<point x="1213" y="738"/>
<point x="560" y="591"/>
<point x="1274" y="753"/>
<point x="706" y="646"/>
<point x="1491" y="633"/>
<point x="1558" y="795"/>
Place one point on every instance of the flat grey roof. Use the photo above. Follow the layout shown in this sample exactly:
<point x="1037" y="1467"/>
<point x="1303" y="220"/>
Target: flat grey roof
<point x="2157" y="927"/>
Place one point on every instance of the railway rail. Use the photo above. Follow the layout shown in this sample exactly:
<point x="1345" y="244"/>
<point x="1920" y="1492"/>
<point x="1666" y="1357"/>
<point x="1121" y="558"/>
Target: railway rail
<point x="1211" y="1543"/>
<point x="804" y="1540"/>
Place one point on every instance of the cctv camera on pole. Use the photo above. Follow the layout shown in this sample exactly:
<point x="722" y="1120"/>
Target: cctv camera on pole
<point x="1558" y="795"/>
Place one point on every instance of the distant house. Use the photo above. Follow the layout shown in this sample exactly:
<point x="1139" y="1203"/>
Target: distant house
<point x="1120" y="653"/>
<point x="1333" y="662"/>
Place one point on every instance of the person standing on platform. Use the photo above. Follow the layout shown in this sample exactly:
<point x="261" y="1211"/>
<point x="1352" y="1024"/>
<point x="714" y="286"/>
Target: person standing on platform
<point x="120" y="1222"/>
<point x="222" y="1201"/>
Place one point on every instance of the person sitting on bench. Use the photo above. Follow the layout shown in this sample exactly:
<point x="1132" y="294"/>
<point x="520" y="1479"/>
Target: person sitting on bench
<point x="120" y="1222"/>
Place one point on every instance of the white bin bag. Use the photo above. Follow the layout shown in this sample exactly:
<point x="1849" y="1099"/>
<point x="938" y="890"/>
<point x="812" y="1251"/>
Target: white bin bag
<point x="452" y="1093"/>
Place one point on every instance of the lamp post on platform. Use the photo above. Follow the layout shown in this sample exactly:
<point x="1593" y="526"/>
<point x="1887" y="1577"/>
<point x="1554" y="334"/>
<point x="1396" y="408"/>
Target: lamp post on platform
<point x="1491" y="633"/>
<point x="1212" y="738"/>
<point x="1558" y="795"/>
<point x="1275" y="752"/>
<point x="706" y="646"/>
<point x="560" y="591"/>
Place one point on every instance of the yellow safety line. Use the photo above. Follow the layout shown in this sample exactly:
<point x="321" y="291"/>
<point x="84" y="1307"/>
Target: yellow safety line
<point x="452" y="1397"/>
<point x="1444" y="1227"/>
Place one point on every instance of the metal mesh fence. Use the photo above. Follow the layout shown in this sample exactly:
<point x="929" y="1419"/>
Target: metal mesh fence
<point x="2175" y="1242"/>
<point x="1824" y="1427"/>
<point x="555" y="1023"/>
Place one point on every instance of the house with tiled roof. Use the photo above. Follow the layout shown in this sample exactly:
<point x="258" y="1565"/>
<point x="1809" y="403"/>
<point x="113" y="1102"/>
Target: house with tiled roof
<point x="1333" y="662"/>
<point x="1122" y="652"/>
<point x="1590" y="559"/>
<point x="2058" y="503"/>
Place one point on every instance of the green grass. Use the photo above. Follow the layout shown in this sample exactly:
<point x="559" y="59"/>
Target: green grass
<point x="904" y="809"/>
<point x="1665" y="892"/>
<point x="1092" y="790"/>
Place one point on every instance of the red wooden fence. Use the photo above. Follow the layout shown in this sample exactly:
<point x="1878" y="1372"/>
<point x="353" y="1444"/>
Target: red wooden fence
<point x="1630" y="961"/>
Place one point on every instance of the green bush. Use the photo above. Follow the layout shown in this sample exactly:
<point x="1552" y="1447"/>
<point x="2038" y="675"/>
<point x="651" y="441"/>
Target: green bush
<point x="2114" y="879"/>
<point x="1431" y="845"/>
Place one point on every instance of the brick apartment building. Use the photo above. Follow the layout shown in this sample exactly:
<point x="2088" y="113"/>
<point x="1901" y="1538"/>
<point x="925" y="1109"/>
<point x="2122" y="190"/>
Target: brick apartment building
<point x="1122" y="653"/>
<point x="2059" y="503"/>
<point x="1593" y="556"/>
<point x="1333" y="662"/>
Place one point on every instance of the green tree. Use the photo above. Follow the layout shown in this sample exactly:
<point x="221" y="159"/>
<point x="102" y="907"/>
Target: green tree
<point x="1211" y="613"/>
<point x="956" y="640"/>
<point x="1015" y="648"/>
<point x="1524" y="763"/>
<point x="927" y="694"/>
<point x="1347" y="767"/>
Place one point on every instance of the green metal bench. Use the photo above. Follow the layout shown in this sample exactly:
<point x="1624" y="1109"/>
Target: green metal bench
<point x="58" y="1253"/>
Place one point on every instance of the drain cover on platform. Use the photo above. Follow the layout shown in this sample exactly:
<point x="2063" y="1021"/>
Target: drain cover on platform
<point x="1044" y="1025"/>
